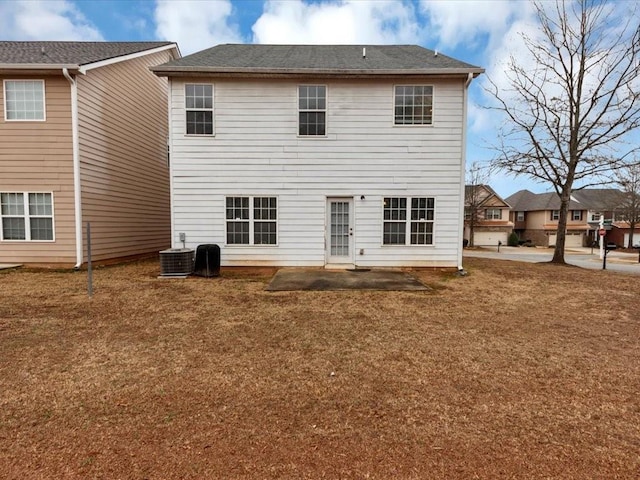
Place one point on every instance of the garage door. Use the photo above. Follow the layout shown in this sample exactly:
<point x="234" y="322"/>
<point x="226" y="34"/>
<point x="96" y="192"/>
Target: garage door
<point x="570" y="240"/>
<point x="636" y="238"/>
<point x="489" y="238"/>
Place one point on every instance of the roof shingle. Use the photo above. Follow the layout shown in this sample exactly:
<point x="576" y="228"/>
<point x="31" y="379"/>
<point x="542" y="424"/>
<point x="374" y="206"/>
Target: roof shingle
<point x="66" y="53"/>
<point x="350" y="59"/>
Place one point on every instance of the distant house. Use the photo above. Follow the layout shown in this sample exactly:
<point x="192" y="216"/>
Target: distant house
<point x="535" y="215"/>
<point x="321" y="155"/>
<point x="84" y="139"/>
<point x="486" y="215"/>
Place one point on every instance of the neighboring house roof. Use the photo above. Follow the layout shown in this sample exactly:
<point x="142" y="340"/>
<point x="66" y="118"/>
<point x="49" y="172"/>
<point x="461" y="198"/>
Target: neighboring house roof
<point x="586" y="199"/>
<point x="324" y="59"/>
<point x="489" y="197"/>
<point x="72" y="55"/>
<point x="601" y="199"/>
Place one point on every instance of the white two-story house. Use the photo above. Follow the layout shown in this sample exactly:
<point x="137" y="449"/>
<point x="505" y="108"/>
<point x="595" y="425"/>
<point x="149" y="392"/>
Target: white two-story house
<point x="319" y="155"/>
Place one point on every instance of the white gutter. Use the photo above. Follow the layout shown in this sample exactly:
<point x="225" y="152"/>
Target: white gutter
<point x="463" y="167"/>
<point x="76" y="166"/>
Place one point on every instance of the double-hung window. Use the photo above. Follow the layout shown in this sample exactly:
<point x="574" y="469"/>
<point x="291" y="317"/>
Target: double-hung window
<point x="555" y="214"/>
<point x="520" y="216"/>
<point x="198" y="100"/>
<point x="312" y="110"/>
<point x="576" y="215"/>
<point x="493" y="214"/>
<point x="251" y="220"/>
<point x="408" y="221"/>
<point x="26" y="216"/>
<point x="24" y="100"/>
<point x="413" y="105"/>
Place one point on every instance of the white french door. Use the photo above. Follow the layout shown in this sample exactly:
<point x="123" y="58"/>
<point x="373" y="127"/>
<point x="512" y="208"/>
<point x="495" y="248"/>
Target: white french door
<point x="339" y="231"/>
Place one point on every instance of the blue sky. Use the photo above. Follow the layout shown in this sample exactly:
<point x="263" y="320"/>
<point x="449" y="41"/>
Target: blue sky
<point x="480" y="32"/>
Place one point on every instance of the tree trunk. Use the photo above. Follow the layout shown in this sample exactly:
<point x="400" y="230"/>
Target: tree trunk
<point x="558" y="253"/>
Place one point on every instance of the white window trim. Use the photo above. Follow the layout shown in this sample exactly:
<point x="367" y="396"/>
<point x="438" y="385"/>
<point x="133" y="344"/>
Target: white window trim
<point x="408" y="222"/>
<point x="492" y="217"/>
<point x="326" y="110"/>
<point x="251" y="221"/>
<point x="44" y="101"/>
<point x="212" y="110"/>
<point x="553" y="215"/>
<point x="413" y="125"/>
<point x="27" y="220"/>
<point x="520" y="216"/>
<point x="573" y="214"/>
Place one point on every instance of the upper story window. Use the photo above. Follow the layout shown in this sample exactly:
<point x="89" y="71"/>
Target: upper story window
<point x="555" y="214"/>
<point x="413" y="105"/>
<point x="312" y="110"/>
<point x="595" y="217"/>
<point x="251" y="220"/>
<point x="493" y="214"/>
<point x="198" y="101"/>
<point x="24" y="100"/>
<point x="576" y="215"/>
<point x="26" y="216"/>
<point x="408" y="219"/>
<point x="520" y="217"/>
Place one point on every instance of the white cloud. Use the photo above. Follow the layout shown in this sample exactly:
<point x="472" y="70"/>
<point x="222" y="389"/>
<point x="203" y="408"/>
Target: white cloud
<point x="45" y="20"/>
<point x="196" y="25"/>
<point x="344" y="22"/>
<point x="470" y="22"/>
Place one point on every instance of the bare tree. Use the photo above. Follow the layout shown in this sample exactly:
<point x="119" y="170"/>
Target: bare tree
<point x="570" y="110"/>
<point x="474" y="196"/>
<point x="629" y="180"/>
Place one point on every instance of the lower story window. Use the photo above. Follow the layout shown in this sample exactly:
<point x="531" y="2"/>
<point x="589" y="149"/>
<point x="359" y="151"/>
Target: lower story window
<point x="408" y="221"/>
<point x="26" y="216"/>
<point x="251" y="220"/>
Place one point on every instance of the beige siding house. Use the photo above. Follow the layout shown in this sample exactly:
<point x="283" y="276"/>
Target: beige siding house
<point x="535" y="217"/>
<point x="335" y="156"/>
<point x="486" y="217"/>
<point x="83" y="138"/>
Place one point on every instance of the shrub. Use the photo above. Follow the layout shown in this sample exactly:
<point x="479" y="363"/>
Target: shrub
<point x="513" y="240"/>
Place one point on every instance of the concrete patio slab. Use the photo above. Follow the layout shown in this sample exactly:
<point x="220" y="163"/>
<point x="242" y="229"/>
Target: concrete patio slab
<point x="4" y="266"/>
<point x="296" y="279"/>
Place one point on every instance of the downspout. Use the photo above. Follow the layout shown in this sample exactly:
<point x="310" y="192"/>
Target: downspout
<point x="463" y="168"/>
<point x="76" y="166"/>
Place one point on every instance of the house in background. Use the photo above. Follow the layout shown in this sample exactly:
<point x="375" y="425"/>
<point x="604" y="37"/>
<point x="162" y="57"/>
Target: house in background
<point x="84" y="139"/>
<point x="486" y="216"/>
<point x="535" y="216"/>
<point x="319" y="155"/>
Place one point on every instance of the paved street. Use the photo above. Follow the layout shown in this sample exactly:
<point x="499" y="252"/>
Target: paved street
<point x="581" y="257"/>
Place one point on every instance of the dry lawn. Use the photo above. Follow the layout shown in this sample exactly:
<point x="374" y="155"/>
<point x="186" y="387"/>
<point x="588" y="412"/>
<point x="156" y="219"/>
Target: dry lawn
<point x="517" y="371"/>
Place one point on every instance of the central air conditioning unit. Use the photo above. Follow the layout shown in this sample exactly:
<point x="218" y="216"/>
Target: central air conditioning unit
<point x="176" y="262"/>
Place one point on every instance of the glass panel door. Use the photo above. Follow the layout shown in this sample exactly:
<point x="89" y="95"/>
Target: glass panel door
<point x="340" y="230"/>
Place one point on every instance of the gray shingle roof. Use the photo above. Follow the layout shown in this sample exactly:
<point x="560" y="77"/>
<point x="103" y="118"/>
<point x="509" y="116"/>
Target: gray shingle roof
<point x="69" y="53"/>
<point x="337" y="59"/>
<point x="587" y="199"/>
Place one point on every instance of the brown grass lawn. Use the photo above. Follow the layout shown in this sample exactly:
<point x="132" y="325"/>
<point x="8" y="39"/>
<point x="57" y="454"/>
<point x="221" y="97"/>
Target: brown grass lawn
<point x="517" y="371"/>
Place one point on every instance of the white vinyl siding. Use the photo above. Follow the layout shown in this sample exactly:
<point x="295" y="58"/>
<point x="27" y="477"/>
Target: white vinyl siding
<point x="24" y="100"/>
<point x="26" y="216"/>
<point x="257" y="152"/>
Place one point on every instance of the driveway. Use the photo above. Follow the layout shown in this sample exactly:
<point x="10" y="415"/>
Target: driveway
<point x="580" y="257"/>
